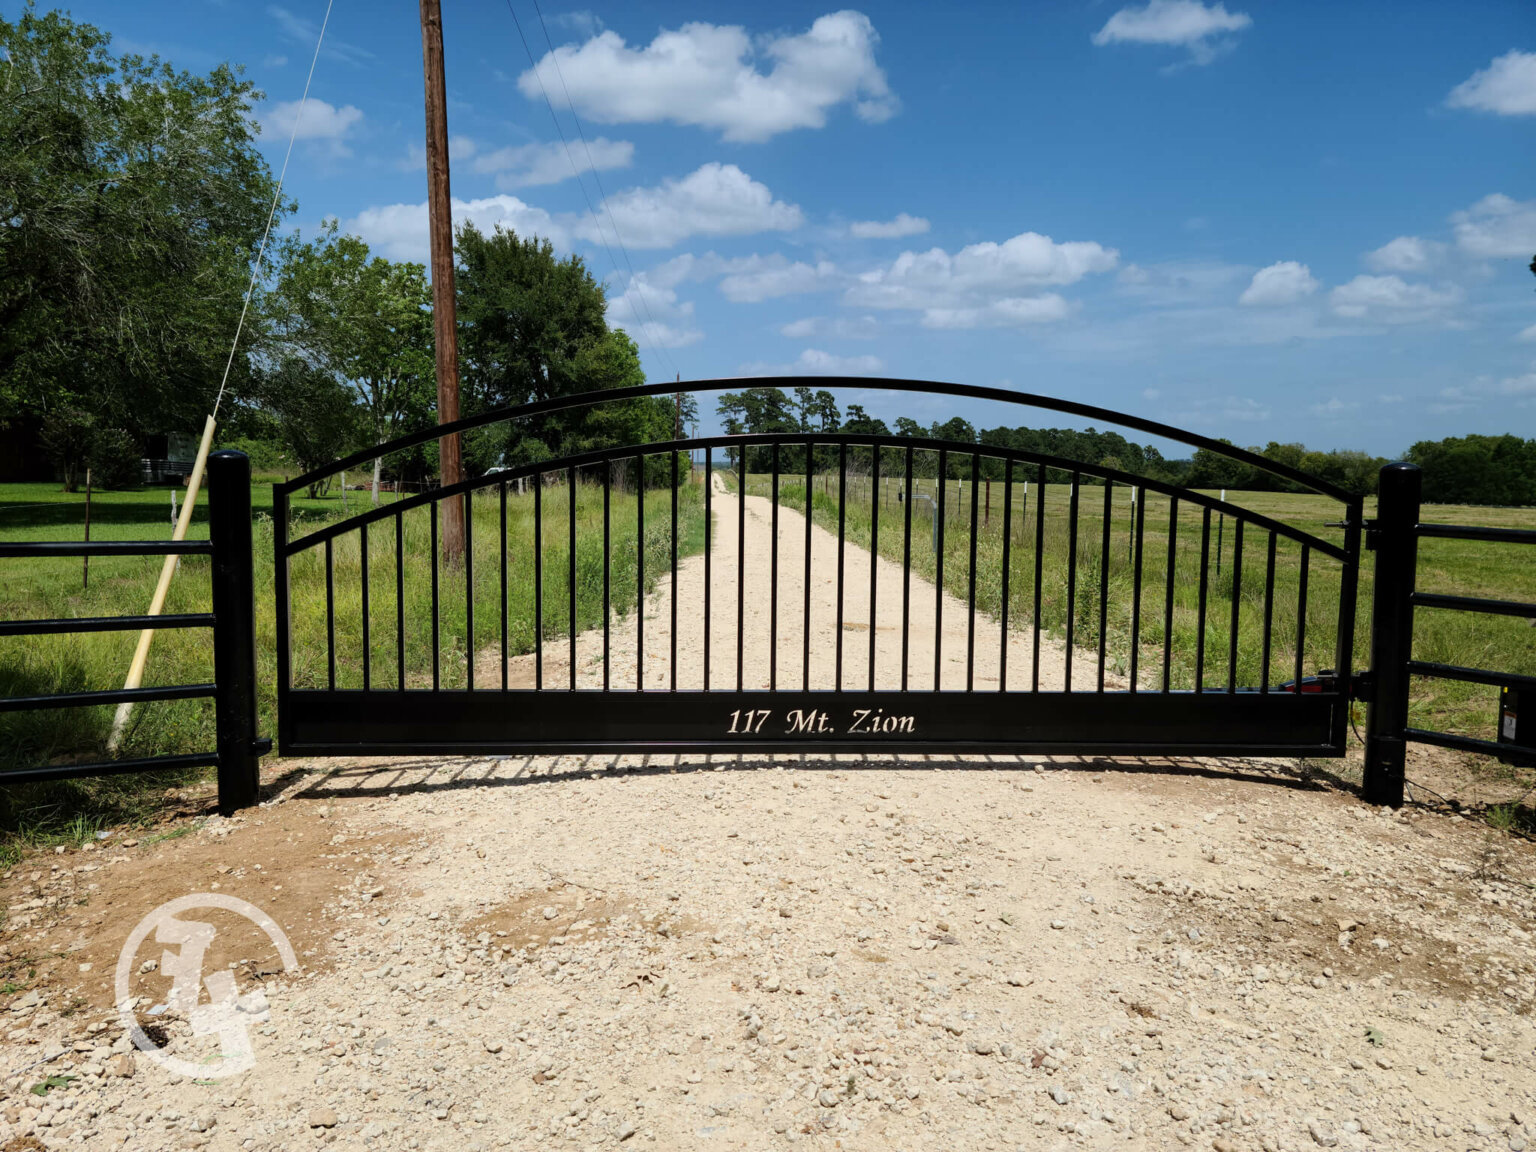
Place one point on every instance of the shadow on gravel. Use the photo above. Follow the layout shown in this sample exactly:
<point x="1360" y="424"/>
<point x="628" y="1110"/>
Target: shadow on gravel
<point x="380" y="777"/>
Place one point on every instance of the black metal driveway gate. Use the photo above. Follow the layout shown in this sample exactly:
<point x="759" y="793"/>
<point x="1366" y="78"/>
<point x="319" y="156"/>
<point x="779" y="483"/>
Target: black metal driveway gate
<point x="619" y="601"/>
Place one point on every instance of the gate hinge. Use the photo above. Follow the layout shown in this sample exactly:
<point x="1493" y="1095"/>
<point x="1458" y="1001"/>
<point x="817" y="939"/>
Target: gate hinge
<point x="1362" y="686"/>
<point x="261" y="746"/>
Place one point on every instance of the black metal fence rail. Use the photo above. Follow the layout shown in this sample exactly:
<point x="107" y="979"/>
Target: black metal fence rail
<point x="238" y="750"/>
<point x="1394" y="536"/>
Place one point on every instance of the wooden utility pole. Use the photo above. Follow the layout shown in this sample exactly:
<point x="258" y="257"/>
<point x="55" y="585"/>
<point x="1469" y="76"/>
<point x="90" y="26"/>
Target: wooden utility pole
<point x="444" y="310"/>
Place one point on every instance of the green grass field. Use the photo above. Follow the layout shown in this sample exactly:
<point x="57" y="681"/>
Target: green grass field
<point x="122" y="586"/>
<point x="38" y="588"/>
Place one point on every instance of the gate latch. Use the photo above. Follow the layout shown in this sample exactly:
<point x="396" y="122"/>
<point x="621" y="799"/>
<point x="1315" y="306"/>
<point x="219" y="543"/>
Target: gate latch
<point x="1363" y="687"/>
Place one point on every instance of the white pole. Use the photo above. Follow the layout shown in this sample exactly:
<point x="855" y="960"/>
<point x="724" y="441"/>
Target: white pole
<point x="141" y="653"/>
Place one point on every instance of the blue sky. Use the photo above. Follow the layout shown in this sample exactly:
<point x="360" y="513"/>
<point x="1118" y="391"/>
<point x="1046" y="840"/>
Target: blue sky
<point x="1261" y="220"/>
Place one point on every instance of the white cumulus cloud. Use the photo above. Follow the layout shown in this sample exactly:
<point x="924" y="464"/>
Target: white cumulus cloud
<point x="399" y="231"/>
<point x="1497" y="226"/>
<point x="653" y="313"/>
<point x="902" y="225"/>
<point x="319" y="121"/>
<point x="1010" y="312"/>
<point x="1392" y="299"/>
<point x="1201" y="28"/>
<point x="751" y="279"/>
<point x="835" y="328"/>
<point x="709" y="76"/>
<point x="530" y="165"/>
<point x="1284" y="282"/>
<point x="1405" y="254"/>
<point x="983" y="284"/>
<point x="815" y="362"/>
<point x="716" y="200"/>
<point x="1507" y="87"/>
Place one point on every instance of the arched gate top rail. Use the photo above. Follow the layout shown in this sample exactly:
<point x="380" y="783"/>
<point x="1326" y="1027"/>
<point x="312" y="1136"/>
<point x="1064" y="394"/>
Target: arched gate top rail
<point x="931" y="387"/>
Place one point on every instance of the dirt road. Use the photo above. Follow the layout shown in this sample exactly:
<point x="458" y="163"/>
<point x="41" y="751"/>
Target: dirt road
<point x="774" y="648"/>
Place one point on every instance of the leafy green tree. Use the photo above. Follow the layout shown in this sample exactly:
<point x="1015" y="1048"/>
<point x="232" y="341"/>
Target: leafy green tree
<point x="1477" y="470"/>
<point x="861" y="423"/>
<point x="762" y="410"/>
<point x="363" y="319"/>
<point x="533" y="327"/>
<point x="132" y="197"/>
<point x="77" y="442"/>
<point x="316" y="415"/>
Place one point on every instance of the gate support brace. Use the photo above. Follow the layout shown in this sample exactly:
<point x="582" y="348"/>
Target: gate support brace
<point x="1395" y="540"/>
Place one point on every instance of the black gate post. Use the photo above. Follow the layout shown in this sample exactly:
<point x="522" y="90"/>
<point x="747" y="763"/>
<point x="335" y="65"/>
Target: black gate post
<point x="234" y="629"/>
<point x="1395" y="538"/>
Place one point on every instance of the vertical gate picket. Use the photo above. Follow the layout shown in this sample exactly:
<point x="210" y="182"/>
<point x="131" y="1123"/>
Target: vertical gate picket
<point x="469" y="592"/>
<point x="1269" y="612"/>
<point x="570" y="570"/>
<point x="938" y="571"/>
<point x="1108" y="522"/>
<point x="502" y="497"/>
<point x="434" y="508"/>
<point x="1002" y="656"/>
<point x="1071" y="578"/>
<point x="842" y="522"/>
<point x="805" y="620"/>
<point x="1034" y="673"/>
<point x="741" y="565"/>
<point x="709" y="528"/>
<point x="906" y="571"/>
<point x="1237" y="602"/>
<point x="607" y="567"/>
<point x="672" y="663"/>
<point x="363" y="579"/>
<point x="874" y="554"/>
<point x="1205" y="558"/>
<point x="1140" y="515"/>
<point x="970" y="633"/>
<point x="1173" y="560"/>
<point x="640" y="573"/>
<point x="773" y="582"/>
<point x="538" y="581"/>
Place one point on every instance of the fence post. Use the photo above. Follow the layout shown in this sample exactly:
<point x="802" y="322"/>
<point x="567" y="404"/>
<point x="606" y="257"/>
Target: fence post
<point x="1394" y="538"/>
<point x="234" y="629"/>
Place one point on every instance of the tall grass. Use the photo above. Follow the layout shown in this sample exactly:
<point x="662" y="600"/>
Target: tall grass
<point x="1493" y="570"/>
<point x="473" y="591"/>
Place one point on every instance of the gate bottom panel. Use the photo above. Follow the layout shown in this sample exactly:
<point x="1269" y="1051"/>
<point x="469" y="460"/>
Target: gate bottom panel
<point x="449" y="723"/>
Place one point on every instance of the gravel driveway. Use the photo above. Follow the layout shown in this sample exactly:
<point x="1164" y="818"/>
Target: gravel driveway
<point x="750" y="953"/>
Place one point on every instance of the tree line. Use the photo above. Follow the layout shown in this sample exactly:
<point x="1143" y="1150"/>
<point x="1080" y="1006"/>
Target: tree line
<point x="1458" y="470"/>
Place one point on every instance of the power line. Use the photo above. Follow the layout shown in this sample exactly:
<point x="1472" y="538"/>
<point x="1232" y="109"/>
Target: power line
<point x="576" y="172"/>
<point x="272" y="212"/>
<point x="598" y="180"/>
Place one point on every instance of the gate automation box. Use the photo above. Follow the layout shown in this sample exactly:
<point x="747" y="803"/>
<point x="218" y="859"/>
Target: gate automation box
<point x="1510" y="731"/>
